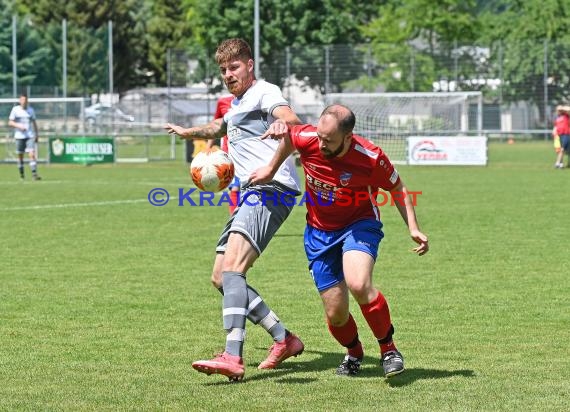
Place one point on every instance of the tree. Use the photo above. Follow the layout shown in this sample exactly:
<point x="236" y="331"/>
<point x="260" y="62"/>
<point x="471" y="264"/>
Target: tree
<point x="35" y="59"/>
<point x="87" y="60"/>
<point x="520" y="32"/>
<point x="5" y="48"/>
<point x="415" y="42"/>
<point x="88" y="40"/>
<point x="167" y="34"/>
<point x="294" y="24"/>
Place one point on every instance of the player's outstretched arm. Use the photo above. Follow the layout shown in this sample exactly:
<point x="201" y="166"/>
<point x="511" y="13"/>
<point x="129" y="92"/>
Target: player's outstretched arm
<point x="213" y="130"/>
<point x="265" y="173"/>
<point x="405" y="206"/>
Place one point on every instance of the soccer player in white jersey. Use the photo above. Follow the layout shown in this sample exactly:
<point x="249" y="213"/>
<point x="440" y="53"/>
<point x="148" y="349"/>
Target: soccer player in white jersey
<point x="23" y="119"/>
<point x="256" y="106"/>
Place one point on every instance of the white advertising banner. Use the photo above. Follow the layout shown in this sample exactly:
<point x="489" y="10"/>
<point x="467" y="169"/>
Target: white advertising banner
<point x="447" y="150"/>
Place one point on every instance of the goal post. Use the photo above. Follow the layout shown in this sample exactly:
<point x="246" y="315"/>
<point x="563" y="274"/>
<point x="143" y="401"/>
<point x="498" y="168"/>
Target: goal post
<point x="66" y="117"/>
<point x="388" y="119"/>
<point x="53" y="114"/>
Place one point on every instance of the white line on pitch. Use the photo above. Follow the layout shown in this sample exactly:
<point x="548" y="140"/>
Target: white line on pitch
<point x="34" y="183"/>
<point x="66" y="205"/>
<point x="100" y="182"/>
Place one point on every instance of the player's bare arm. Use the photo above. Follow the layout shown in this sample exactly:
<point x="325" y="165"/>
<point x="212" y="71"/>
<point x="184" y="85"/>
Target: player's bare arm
<point x="405" y="206"/>
<point x="213" y="130"/>
<point x="277" y="130"/>
<point x="284" y="118"/>
<point x="36" y="133"/>
<point x="17" y="125"/>
<point x="265" y="174"/>
<point x="286" y="114"/>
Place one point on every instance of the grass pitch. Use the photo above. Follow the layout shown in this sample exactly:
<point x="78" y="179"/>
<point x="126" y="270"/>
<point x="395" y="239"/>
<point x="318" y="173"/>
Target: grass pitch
<point x="105" y="300"/>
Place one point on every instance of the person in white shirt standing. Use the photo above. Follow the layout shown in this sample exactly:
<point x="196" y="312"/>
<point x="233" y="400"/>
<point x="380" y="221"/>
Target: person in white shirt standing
<point x="23" y="119"/>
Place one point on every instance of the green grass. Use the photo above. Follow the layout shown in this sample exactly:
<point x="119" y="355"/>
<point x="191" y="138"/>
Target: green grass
<point x="105" y="300"/>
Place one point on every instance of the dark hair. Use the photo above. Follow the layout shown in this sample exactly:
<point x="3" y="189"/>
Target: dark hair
<point x="231" y="49"/>
<point x="345" y="117"/>
<point x="24" y="94"/>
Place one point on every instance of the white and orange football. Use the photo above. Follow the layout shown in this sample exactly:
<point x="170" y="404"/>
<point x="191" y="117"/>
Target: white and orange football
<point x="212" y="170"/>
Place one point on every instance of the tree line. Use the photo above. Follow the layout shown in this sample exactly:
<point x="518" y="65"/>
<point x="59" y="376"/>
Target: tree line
<point x="411" y="41"/>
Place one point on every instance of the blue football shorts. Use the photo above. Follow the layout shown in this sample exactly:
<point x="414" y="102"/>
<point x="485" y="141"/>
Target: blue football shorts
<point x="234" y="183"/>
<point x="324" y="249"/>
<point x="26" y="145"/>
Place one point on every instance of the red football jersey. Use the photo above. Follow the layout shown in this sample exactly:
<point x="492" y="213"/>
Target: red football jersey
<point x="562" y="124"/>
<point x="223" y="106"/>
<point x="341" y="191"/>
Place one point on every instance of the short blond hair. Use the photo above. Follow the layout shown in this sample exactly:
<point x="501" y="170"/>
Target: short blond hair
<point x="232" y="49"/>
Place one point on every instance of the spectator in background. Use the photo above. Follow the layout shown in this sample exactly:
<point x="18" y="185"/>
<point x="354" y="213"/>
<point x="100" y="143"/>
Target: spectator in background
<point x="23" y="119"/>
<point x="223" y="106"/>
<point x="561" y="135"/>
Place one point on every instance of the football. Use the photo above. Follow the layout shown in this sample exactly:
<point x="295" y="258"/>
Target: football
<point x="212" y="170"/>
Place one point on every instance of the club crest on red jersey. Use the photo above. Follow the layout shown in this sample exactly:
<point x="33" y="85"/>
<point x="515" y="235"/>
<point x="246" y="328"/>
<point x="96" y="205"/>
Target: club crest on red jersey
<point x="345" y="178"/>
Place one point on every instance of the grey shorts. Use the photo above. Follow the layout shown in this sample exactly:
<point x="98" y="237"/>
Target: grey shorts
<point x="258" y="217"/>
<point x="25" y="145"/>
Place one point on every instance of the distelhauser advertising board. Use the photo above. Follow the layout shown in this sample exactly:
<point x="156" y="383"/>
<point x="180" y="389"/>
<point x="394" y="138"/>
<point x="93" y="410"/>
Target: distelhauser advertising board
<point x="81" y="150"/>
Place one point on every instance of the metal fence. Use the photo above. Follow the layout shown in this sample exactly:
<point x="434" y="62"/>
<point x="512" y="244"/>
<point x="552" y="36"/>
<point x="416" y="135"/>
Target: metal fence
<point x="518" y="100"/>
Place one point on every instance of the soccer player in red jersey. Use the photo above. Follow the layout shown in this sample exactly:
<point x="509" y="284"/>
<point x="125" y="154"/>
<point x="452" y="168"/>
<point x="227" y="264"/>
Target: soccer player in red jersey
<point x="222" y="107"/>
<point x="343" y="172"/>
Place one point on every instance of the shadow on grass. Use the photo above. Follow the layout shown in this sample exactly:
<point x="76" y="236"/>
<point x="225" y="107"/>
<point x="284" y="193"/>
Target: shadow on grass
<point x="285" y="373"/>
<point x="411" y="375"/>
<point x="329" y="361"/>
